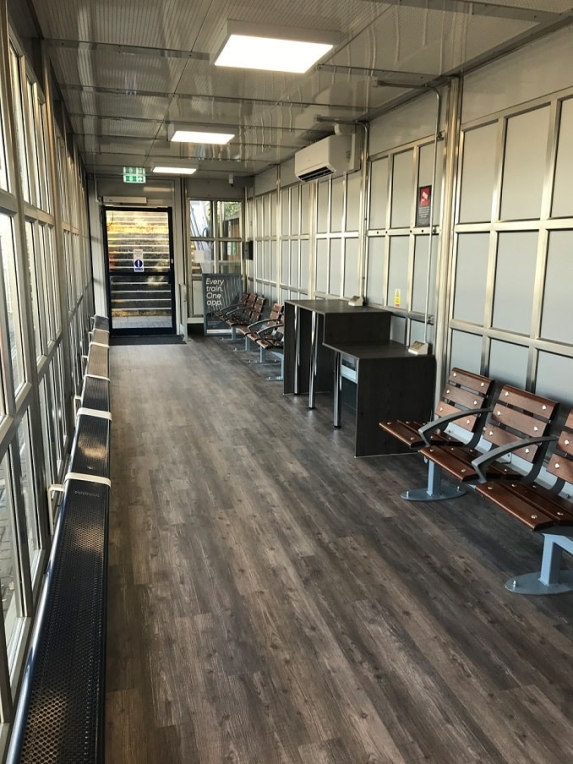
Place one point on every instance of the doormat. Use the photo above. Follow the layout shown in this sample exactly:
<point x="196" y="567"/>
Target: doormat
<point x="148" y="339"/>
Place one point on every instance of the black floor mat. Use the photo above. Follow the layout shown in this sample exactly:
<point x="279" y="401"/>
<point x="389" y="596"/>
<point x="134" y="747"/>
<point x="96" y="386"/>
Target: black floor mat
<point x="148" y="339"/>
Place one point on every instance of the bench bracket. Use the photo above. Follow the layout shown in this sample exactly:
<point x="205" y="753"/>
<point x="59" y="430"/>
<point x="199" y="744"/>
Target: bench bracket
<point x="551" y="579"/>
<point x="434" y="490"/>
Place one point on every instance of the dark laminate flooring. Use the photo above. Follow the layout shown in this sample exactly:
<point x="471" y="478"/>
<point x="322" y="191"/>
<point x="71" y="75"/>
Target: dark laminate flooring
<point x="273" y="600"/>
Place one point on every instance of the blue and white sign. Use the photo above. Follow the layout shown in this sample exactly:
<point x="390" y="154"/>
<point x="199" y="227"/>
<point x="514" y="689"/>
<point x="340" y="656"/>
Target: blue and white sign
<point x="138" y="265"/>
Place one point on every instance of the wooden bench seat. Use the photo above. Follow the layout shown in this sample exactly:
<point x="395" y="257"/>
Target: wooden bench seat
<point x="253" y="331"/>
<point x="517" y="425"/>
<point x="540" y="509"/>
<point x="463" y="393"/>
<point x="237" y="306"/>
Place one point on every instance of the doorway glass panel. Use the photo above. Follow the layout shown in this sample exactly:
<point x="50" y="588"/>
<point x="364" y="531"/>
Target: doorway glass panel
<point x="140" y="270"/>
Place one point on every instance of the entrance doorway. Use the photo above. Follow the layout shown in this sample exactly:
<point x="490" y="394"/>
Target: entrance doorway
<point x="139" y="249"/>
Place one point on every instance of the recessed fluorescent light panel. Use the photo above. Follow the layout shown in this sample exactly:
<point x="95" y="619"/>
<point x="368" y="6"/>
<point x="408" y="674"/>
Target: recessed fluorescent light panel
<point x="275" y="49"/>
<point x="175" y="170"/>
<point x="192" y="135"/>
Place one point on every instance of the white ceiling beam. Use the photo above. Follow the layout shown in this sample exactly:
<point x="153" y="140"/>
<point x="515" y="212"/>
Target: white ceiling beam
<point x="472" y="8"/>
<point x="126" y="50"/>
<point x="195" y="96"/>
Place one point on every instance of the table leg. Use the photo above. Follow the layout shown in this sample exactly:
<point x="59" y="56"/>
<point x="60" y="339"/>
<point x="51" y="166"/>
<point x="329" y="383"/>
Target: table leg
<point x="297" y="350"/>
<point x="337" y="388"/>
<point x="313" y="360"/>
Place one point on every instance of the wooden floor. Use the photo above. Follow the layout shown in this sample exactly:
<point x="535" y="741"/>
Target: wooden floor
<point x="272" y="599"/>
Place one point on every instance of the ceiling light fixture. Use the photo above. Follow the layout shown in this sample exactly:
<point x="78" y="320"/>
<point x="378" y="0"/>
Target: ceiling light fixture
<point x="195" y="135"/>
<point x="174" y="170"/>
<point x="275" y="49"/>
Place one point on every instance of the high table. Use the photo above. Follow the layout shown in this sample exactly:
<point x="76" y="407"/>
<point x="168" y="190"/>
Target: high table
<point x="310" y="325"/>
<point x="391" y="383"/>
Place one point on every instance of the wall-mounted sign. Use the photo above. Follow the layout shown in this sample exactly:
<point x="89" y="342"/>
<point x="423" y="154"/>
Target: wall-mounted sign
<point x="134" y="174"/>
<point x="138" y="264"/>
<point x="397" y="298"/>
<point x="424" y="207"/>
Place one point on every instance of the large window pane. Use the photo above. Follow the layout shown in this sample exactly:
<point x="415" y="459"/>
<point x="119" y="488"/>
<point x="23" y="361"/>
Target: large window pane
<point x="20" y="131"/>
<point x="10" y="287"/>
<point x="34" y="293"/>
<point x="229" y="220"/>
<point x="9" y="568"/>
<point x="26" y="481"/>
<point x="201" y="219"/>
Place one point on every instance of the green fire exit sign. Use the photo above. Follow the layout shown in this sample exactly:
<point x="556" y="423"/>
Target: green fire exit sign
<point x="134" y="174"/>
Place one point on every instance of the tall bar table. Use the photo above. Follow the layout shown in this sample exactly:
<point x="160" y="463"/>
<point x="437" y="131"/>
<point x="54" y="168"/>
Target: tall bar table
<point x="311" y="326"/>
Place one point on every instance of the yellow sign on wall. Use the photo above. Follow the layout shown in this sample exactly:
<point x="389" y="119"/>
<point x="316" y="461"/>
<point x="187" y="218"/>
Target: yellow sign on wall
<point x="397" y="298"/>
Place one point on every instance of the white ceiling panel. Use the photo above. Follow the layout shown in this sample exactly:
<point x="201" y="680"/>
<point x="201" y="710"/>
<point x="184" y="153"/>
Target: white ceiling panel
<point x="433" y="42"/>
<point x="127" y="68"/>
<point x="115" y="70"/>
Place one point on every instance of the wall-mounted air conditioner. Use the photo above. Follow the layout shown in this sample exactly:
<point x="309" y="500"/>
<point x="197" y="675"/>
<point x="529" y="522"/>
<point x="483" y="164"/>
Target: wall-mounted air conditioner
<point x="334" y="155"/>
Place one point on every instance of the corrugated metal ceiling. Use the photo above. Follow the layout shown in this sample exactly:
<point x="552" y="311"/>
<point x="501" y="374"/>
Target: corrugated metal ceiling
<point x="115" y="92"/>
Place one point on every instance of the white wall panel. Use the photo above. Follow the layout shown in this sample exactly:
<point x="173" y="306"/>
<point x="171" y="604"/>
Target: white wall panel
<point x="273" y="213"/>
<point x="353" y="185"/>
<point x="398" y="271"/>
<point x="266" y="181"/>
<point x="376" y="256"/>
<point x="304" y="264"/>
<point x="288" y="177"/>
<point x="554" y="375"/>
<point x="285" y="262"/>
<point x="402" y="189"/>
<point x="295" y="210"/>
<point x="542" y="67"/>
<point x="471" y="277"/>
<point x="323" y="196"/>
<point x="420" y="287"/>
<point x="562" y="197"/>
<point x="514" y="281"/>
<point x="410" y="122"/>
<point x="508" y="363"/>
<point x="337" y="205"/>
<point x="294" y="264"/>
<point x="285" y="213"/>
<point x="351" y="268"/>
<point x="306" y="209"/>
<point x="378" y="193"/>
<point x="466" y="351"/>
<point x="478" y="174"/>
<point x="322" y="265"/>
<point x="398" y="329"/>
<point x="335" y="281"/>
<point x="525" y="164"/>
<point x="557" y="293"/>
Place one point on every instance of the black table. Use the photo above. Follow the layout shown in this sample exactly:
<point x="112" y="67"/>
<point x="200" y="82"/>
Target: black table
<point x="391" y="383"/>
<point x="311" y="326"/>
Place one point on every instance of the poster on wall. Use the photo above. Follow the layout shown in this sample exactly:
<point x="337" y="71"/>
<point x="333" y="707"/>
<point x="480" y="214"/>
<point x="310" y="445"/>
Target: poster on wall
<point x="220" y="290"/>
<point x="424" y="207"/>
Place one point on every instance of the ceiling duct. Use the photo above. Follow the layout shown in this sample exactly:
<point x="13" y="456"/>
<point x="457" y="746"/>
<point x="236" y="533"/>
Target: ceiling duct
<point x="334" y="155"/>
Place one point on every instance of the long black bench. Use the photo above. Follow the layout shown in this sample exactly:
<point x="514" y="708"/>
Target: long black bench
<point x="60" y="712"/>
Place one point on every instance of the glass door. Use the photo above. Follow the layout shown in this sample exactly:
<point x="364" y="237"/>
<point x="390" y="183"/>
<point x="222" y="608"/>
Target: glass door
<point x="139" y="247"/>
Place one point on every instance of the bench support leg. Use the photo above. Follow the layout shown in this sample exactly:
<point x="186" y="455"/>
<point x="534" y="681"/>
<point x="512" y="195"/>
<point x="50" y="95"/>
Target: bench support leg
<point x="281" y="376"/>
<point x="434" y="491"/>
<point x="551" y="579"/>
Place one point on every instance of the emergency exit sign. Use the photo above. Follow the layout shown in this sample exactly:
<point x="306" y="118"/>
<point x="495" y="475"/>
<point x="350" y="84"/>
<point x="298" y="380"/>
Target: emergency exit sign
<point x="134" y="174"/>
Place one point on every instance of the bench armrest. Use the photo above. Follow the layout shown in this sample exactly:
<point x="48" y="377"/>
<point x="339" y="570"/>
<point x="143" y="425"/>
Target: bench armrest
<point x="481" y="463"/>
<point x="438" y="424"/>
<point x="270" y="323"/>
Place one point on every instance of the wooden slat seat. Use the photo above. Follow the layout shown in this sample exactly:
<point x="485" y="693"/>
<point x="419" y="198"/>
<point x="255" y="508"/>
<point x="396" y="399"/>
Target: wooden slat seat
<point x="463" y="393"/>
<point x="237" y="306"/>
<point x="249" y="316"/>
<point x="544" y="510"/>
<point x="252" y="331"/>
<point x="516" y="425"/>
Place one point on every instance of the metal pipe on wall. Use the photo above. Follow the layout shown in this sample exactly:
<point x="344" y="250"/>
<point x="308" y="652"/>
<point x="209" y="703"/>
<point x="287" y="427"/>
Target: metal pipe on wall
<point x="431" y="233"/>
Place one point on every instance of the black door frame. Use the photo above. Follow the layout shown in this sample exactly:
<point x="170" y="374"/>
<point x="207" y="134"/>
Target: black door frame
<point x="140" y="331"/>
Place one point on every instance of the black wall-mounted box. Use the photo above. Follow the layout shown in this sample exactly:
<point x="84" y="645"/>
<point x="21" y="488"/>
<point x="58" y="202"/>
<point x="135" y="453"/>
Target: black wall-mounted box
<point x="248" y="250"/>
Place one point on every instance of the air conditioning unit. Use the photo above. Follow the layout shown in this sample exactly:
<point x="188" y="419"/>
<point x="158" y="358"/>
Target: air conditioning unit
<point x="334" y="155"/>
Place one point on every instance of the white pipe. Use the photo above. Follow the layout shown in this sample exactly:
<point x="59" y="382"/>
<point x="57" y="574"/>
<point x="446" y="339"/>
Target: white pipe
<point x="431" y="234"/>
